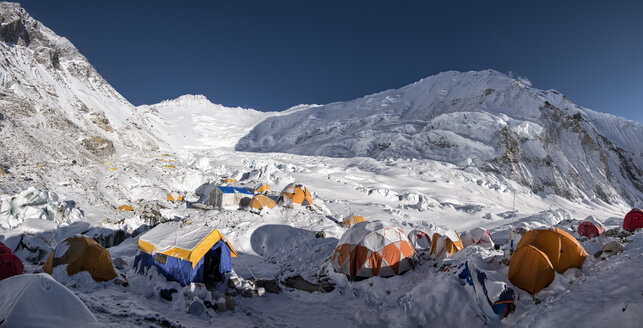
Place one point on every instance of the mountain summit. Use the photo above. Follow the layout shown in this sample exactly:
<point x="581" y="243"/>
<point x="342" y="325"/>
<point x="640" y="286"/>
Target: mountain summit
<point x="483" y="119"/>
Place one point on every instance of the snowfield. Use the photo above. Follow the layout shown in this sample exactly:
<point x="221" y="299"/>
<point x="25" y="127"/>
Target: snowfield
<point x="458" y="159"/>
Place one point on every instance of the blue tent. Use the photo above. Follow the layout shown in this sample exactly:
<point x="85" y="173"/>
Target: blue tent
<point x="185" y="254"/>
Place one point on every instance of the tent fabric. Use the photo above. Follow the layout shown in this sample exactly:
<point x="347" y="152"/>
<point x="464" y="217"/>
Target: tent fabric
<point x="530" y="269"/>
<point x="419" y="239"/>
<point x="10" y="264"/>
<point x="82" y="254"/>
<point x="185" y="253"/>
<point x="590" y="228"/>
<point x="262" y="189"/>
<point x="477" y="236"/>
<point x="229" y="197"/>
<point x="370" y="249"/>
<point x="174" y="197"/>
<point x="126" y="208"/>
<point x="562" y="249"/>
<point x="445" y="246"/>
<point x="353" y="220"/>
<point x="296" y="194"/>
<point x="495" y="298"/>
<point x="229" y="180"/>
<point x="258" y="202"/>
<point x="38" y="300"/>
<point x="633" y="220"/>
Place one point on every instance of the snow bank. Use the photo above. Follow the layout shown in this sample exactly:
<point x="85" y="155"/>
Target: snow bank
<point x="38" y="205"/>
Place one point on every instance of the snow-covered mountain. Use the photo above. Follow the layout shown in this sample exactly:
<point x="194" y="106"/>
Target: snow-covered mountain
<point x="484" y="119"/>
<point x="54" y="106"/>
<point x="193" y="122"/>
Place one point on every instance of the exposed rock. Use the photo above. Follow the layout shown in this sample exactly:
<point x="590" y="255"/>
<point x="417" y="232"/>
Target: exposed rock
<point x="196" y="307"/>
<point x="14" y="33"/>
<point x="99" y="146"/>
<point x="613" y="246"/>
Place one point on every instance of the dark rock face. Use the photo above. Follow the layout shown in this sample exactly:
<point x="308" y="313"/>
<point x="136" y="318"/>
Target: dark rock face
<point x="99" y="146"/>
<point x="14" y="33"/>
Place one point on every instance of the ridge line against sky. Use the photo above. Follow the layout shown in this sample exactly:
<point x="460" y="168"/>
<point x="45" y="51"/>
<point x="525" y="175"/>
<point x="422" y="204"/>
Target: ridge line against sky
<point x="274" y="55"/>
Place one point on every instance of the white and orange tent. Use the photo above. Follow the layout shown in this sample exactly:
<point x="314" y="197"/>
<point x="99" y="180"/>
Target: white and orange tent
<point x="371" y="249"/>
<point x="262" y="189"/>
<point x="174" y="197"/>
<point x="295" y="193"/>
<point x="445" y="245"/>
<point x="258" y="202"/>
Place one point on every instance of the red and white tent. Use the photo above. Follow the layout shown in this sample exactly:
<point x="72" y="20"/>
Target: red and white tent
<point x="591" y="227"/>
<point x="477" y="236"/>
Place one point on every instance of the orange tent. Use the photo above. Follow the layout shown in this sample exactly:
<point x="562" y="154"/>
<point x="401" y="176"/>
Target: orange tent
<point x="260" y="201"/>
<point x="562" y="249"/>
<point x="353" y="220"/>
<point x="229" y="180"/>
<point x="445" y="246"/>
<point x="296" y="194"/>
<point x="174" y="197"/>
<point x="126" y="208"/>
<point x="530" y="269"/>
<point x="262" y="189"/>
<point x="82" y="254"/>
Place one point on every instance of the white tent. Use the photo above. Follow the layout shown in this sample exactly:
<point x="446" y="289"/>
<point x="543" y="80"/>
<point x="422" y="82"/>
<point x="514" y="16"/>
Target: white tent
<point x="37" y="300"/>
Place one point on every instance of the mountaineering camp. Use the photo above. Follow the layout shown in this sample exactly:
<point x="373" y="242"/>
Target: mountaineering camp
<point x="192" y="262"/>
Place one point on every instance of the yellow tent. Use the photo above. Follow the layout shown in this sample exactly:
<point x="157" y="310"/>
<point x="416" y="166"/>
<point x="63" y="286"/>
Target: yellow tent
<point x="530" y="269"/>
<point x="562" y="249"/>
<point x="353" y="220"/>
<point x="82" y="254"/>
<point x="296" y="194"/>
<point x="174" y="197"/>
<point x="262" y="189"/>
<point x="260" y="201"/>
<point x="126" y="208"/>
<point x="229" y="180"/>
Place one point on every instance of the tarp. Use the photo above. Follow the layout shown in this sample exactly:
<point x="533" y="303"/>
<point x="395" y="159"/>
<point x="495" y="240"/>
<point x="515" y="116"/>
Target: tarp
<point x="82" y="254"/>
<point x="188" y="253"/>
<point x="495" y="299"/>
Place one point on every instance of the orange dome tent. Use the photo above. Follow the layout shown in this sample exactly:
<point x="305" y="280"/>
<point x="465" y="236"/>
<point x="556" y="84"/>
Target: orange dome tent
<point x="262" y="189"/>
<point x="126" y="208"/>
<point x="530" y="269"/>
<point x="353" y="220"/>
<point x="370" y="249"/>
<point x="258" y="202"/>
<point x="296" y="194"/>
<point x="82" y="254"/>
<point x="229" y="180"/>
<point x="562" y="249"/>
<point x="174" y="197"/>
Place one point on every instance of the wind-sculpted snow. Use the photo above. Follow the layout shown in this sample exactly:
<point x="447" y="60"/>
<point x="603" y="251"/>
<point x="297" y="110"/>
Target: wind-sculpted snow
<point x="484" y="119"/>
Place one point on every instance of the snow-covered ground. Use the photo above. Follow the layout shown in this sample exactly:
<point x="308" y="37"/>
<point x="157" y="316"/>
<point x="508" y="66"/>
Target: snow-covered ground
<point x="52" y="186"/>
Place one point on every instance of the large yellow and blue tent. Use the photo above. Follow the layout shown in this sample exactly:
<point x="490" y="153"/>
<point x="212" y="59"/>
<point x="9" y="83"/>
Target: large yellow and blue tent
<point x="188" y="253"/>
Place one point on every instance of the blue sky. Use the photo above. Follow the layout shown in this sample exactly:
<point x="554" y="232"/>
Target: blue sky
<point x="270" y="55"/>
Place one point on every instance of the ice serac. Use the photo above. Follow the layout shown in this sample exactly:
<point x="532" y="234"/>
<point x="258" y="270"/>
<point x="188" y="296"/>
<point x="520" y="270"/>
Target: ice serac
<point x="483" y="118"/>
<point x="53" y="102"/>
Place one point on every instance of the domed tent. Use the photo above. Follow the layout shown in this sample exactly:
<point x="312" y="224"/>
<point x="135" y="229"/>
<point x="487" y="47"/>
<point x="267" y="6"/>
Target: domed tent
<point x="186" y="254"/>
<point x="530" y="269"/>
<point x="353" y="220"/>
<point x="258" y="202"/>
<point x="174" y="197"/>
<point x="82" y="254"/>
<point x="476" y="236"/>
<point x="370" y="249"/>
<point x="562" y="249"/>
<point x="229" y="180"/>
<point x="633" y="220"/>
<point x="445" y="246"/>
<point x="296" y="194"/>
<point x="10" y="265"/>
<point x="126" y="208"/>
<point x="264" y="188"/>
<point x="591" y="227"/>
<point x="419" y="239"/>
<point x="38" y="300"/>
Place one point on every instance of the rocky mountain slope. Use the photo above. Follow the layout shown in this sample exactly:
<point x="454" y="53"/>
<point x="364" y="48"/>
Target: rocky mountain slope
<point x="484" y="119"/>
<point x="54" y="106"/>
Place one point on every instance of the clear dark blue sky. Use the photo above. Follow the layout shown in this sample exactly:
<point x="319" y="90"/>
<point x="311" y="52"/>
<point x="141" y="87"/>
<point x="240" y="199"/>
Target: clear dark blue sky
<point x="270" y="55"/>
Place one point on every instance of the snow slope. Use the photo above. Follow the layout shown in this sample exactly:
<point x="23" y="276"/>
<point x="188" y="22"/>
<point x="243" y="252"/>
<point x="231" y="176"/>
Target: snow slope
<point x="484" y="119"/>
